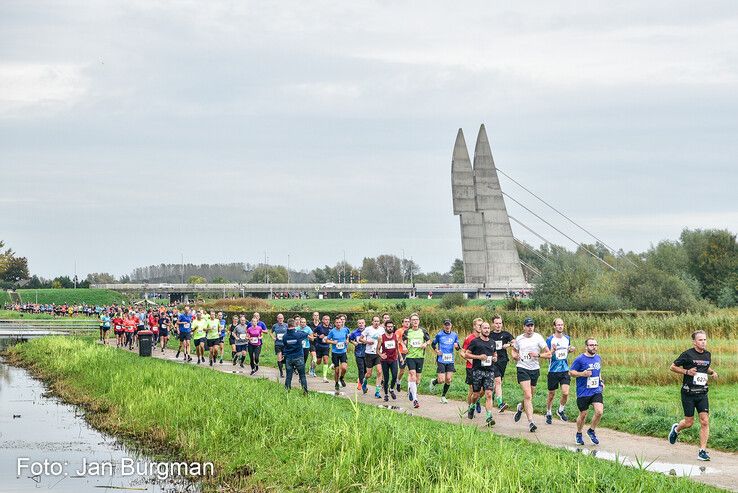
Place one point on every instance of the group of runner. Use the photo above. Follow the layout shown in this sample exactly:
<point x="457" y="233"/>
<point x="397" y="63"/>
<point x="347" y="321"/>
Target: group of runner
<point x="385" y="353"/>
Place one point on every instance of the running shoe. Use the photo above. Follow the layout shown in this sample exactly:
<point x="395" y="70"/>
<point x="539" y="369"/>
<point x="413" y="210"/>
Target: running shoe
<point x="343" y="382"/>
<point x="393" y="395"/>
<point x="479" y="407"/>
<point x="358" y="385"/>
<point x="364" y="387"/>
<point x="532" y="427"/>
<point x="416" y="404"/>
<point x="177" y="356"/>
<point x="578" y="439"/>
<point x="549" y="419"/>
<point x="325" y="380"/>
<point x="490" y="420"/>
<point x="431" y="386"/>
<point x="211" y="362"/>
<point x="221" y="361"/>
<point x="162" y="350"/>
<point x="592" y="436"/>
<point x="398" y="388"/>
<point x="338" y="389"/>
<point x="502" y="407"/>
<point x="252" y="372"/>
<point x="673" y="434"/>
<point x="241" y="365"/>
<point x="702" y="455"/>
<point x="235" y="360"/>
<point x="444" y="400"/>
<point x="332" y="366"/>
<point x="562" y="415"/>
<point x="377" y="395"/>
<point x="518" y="413"/>
<point x="470" y="413"/>
<point x="386" y="398"/>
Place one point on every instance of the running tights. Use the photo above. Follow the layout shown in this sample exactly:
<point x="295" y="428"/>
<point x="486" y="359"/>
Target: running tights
<point x="254" y="352"/>
<point x="361" y="367"/>
<point x="389" y="367"/>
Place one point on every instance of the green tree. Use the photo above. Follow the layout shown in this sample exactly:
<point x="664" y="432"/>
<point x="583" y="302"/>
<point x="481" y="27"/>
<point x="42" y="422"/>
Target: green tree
<point x="457" y="271"/>
<point x="647" y="288"/>
<point x="713" y="259"/>
<point x="369" y="270"/>
<point x="100" y="278"/>
<point x="196" y="280"/>
<point x="16" y="268"/>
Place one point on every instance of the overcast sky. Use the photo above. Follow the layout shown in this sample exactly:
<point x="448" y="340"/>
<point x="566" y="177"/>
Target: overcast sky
<point x="134" y="132"/>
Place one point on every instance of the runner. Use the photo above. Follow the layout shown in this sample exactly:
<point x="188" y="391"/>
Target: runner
<point x="359" y="351"/>
<point x="278" y="331"/>
<point x="184" y="327"/>
<point x="241" y="338"/>
<point x="153" y="321"/>
<point x="313" y="350"/>
<point x="213" y="337"/>
<point x="338" y="339"/>
<point x="527" y="349"/>
<point x="306" y="343"/>
<point x="402" y="360"/>
<point x="388" y="354"/>
<point x="104" y="327"/>
<point x="255" y="333"/>
<point x="199" y="325"/>
<point x="369" y="337"/>
<point x="558" y="369"/>
<point x="444" y="344"/>
<point x="164" y="323"/>
<point x="232" y="338"/>
<point x="586" y="368"/>
<point x="322" y="348"/>
<point x="118" y="329"/>
<point x="694" y="364"/>
<point x="476" y="330"/>
<point x="481" y="351"/>
<point x="221" y="337"/>
<point x="293" y="341"/>
<point x="416" y="338"/>
<point x="129" y="326"/>
<point x="503" y="340"/>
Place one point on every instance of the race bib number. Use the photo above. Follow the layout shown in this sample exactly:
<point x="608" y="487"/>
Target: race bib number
<point x="186" y="326"/>
<point x="389" y="344"/>
<point x="525" y="357"/>
<point x="447" y="358"/>
<point x="416" y="343"/>
<point x="254" y="340"/>
<point x="340" y="345"/>
<point x="562" y="353"/>
<point x="593" y="382"/>
<point x="487" y="361"/>
<point x="280" y="336"/>
<point x="699" y="379"/>
<point x="498" y="345"/>
<point x="242" y="337"/>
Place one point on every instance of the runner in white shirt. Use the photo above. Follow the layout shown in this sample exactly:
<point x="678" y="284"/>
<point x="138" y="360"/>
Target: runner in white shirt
<point x="370" y="336"/>
<point x="527" y="350"/>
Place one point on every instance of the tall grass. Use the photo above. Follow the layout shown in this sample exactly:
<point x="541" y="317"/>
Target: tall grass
<point x="259" y="437"/>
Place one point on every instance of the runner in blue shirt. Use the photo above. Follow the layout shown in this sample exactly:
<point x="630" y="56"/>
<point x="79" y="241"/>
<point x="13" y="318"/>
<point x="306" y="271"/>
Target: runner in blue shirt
<point x="558" y="369"/>
<point x="307" y="342"/>
<point x="338" y="339"/>
<point x="444" y="344"/>
<point x="221" y="338"/>
<point x="184" y="322"/>
<point x="359" y="350"/>
<point x="586" y="368"/>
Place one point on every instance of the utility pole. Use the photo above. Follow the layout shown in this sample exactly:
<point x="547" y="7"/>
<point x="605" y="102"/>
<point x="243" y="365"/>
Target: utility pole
<point x="181" y="268"/>
<point x="344" y="267"/>
<point x="402" y="266"/>
<point x="75" y="273"/>
<point x="288" y="268"/>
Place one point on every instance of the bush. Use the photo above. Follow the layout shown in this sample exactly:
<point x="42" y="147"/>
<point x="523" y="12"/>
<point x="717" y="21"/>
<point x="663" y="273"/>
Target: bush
<point x="452" y="300"/>
<point x="648" y="288"/>
<point x="726" y="297"/>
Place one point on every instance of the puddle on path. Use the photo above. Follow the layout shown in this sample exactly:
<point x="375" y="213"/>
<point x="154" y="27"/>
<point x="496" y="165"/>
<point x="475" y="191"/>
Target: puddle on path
<point x="668" y="468"/>
<point x="40" y="428"/>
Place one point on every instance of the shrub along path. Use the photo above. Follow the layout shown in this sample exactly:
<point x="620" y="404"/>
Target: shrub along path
<point x="652" y="453"/>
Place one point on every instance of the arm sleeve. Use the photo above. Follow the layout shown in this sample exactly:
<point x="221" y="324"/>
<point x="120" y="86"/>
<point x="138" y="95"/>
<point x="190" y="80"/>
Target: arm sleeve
<point x="575" y="365"/>
<point x="681" y="360"/>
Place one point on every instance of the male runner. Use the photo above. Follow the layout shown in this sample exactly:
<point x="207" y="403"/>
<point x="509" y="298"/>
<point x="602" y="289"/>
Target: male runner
<point x="199" y="325"/>
<point x="444" y="344"/>
<point x="278" y="331"/>
<point x="212" y="334"/>
<point x="313" y="350"/>
<point x="338" y="339"/>
<point x="359" y="351"/>
<point x="527" y="350"/>
<point x="104" y="327"/>
<point x="184" y="327"/>
<point x="558" y="369"/>
<point x="586" y="368"/>
<point x="221" y="338"/>
<point x="417" y="339"/>
<point x="370" y="338"/>
<point x="232" y="338"/>
<point x="307" y="342"/>
<point x="694" y="364"/>
<point x="164" y="323"/>
<point x="476" y="330"/>
<point x="503" y="340"/>
<point x="322" y="348"/>
<point x="241" y="338"/>
<point x="481" y="351"/>
<point x="402" y="356"/>
<point x="388" y="356"/>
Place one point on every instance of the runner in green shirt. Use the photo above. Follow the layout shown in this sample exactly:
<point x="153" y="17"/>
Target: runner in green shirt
<point x="198" y="335"/>
<point x="416" y="339"/>
<point x="213" y="336"/>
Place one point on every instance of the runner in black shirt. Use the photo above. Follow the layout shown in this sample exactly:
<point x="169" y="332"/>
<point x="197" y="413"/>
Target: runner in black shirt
<point x="694" y="365"/>
<point x="502" y="340"/>
<point x="482" y="352"/>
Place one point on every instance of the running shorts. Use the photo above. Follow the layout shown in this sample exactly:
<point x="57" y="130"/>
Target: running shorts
<point x="415" y="364"/>
<point x="241" y="347"/>
<point x="185" y="336"/>
<point x="402" y="360"/>
<point x="321" y="351"/>
<point x="163" y="332"/>
<point x="557" y="378"/>
<point x="690" y="402"/>
<point x="231" y="340"/>
<point x="469" y="379"/>
<point x="371" y="360"/>
<point x="201" y="340"/>
<point x="278" y="348"/>
<point x="531" y="375"/>
<point x="212" y="342"/>
<point x="500" y="368"/>
<point x="583" y="403"/>
<point x="337" y="359"/>
<point x="483" y="380"/>
<point x="445" y="368"/>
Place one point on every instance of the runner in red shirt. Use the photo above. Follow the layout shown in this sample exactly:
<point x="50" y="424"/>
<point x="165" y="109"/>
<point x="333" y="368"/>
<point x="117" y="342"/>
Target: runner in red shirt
<point x="129" y="326"/>
<point x="476" y="330"/>
<point x="118" y="329"/>
<point x="388" y="354"/>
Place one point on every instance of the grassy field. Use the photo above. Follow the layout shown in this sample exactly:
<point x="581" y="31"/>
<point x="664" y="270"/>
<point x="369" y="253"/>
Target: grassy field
<point x="641" y="395"/>
<point x="75" y="296"/>
<point x="266" y="439"/>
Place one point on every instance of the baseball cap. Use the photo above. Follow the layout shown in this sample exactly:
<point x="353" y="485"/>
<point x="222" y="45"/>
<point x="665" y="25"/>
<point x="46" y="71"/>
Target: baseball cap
<point x="529" y="321"/>
<point x="447" y="322"/>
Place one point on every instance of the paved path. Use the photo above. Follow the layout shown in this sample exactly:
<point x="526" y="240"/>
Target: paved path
<point x="679" y="459"/>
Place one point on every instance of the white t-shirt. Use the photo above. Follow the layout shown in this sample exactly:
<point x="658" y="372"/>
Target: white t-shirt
<point x="373" y="334"/>
<point x="525" y="346"/>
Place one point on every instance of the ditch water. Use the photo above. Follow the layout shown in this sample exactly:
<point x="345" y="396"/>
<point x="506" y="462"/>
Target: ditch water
<point x="47" y="445"/>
